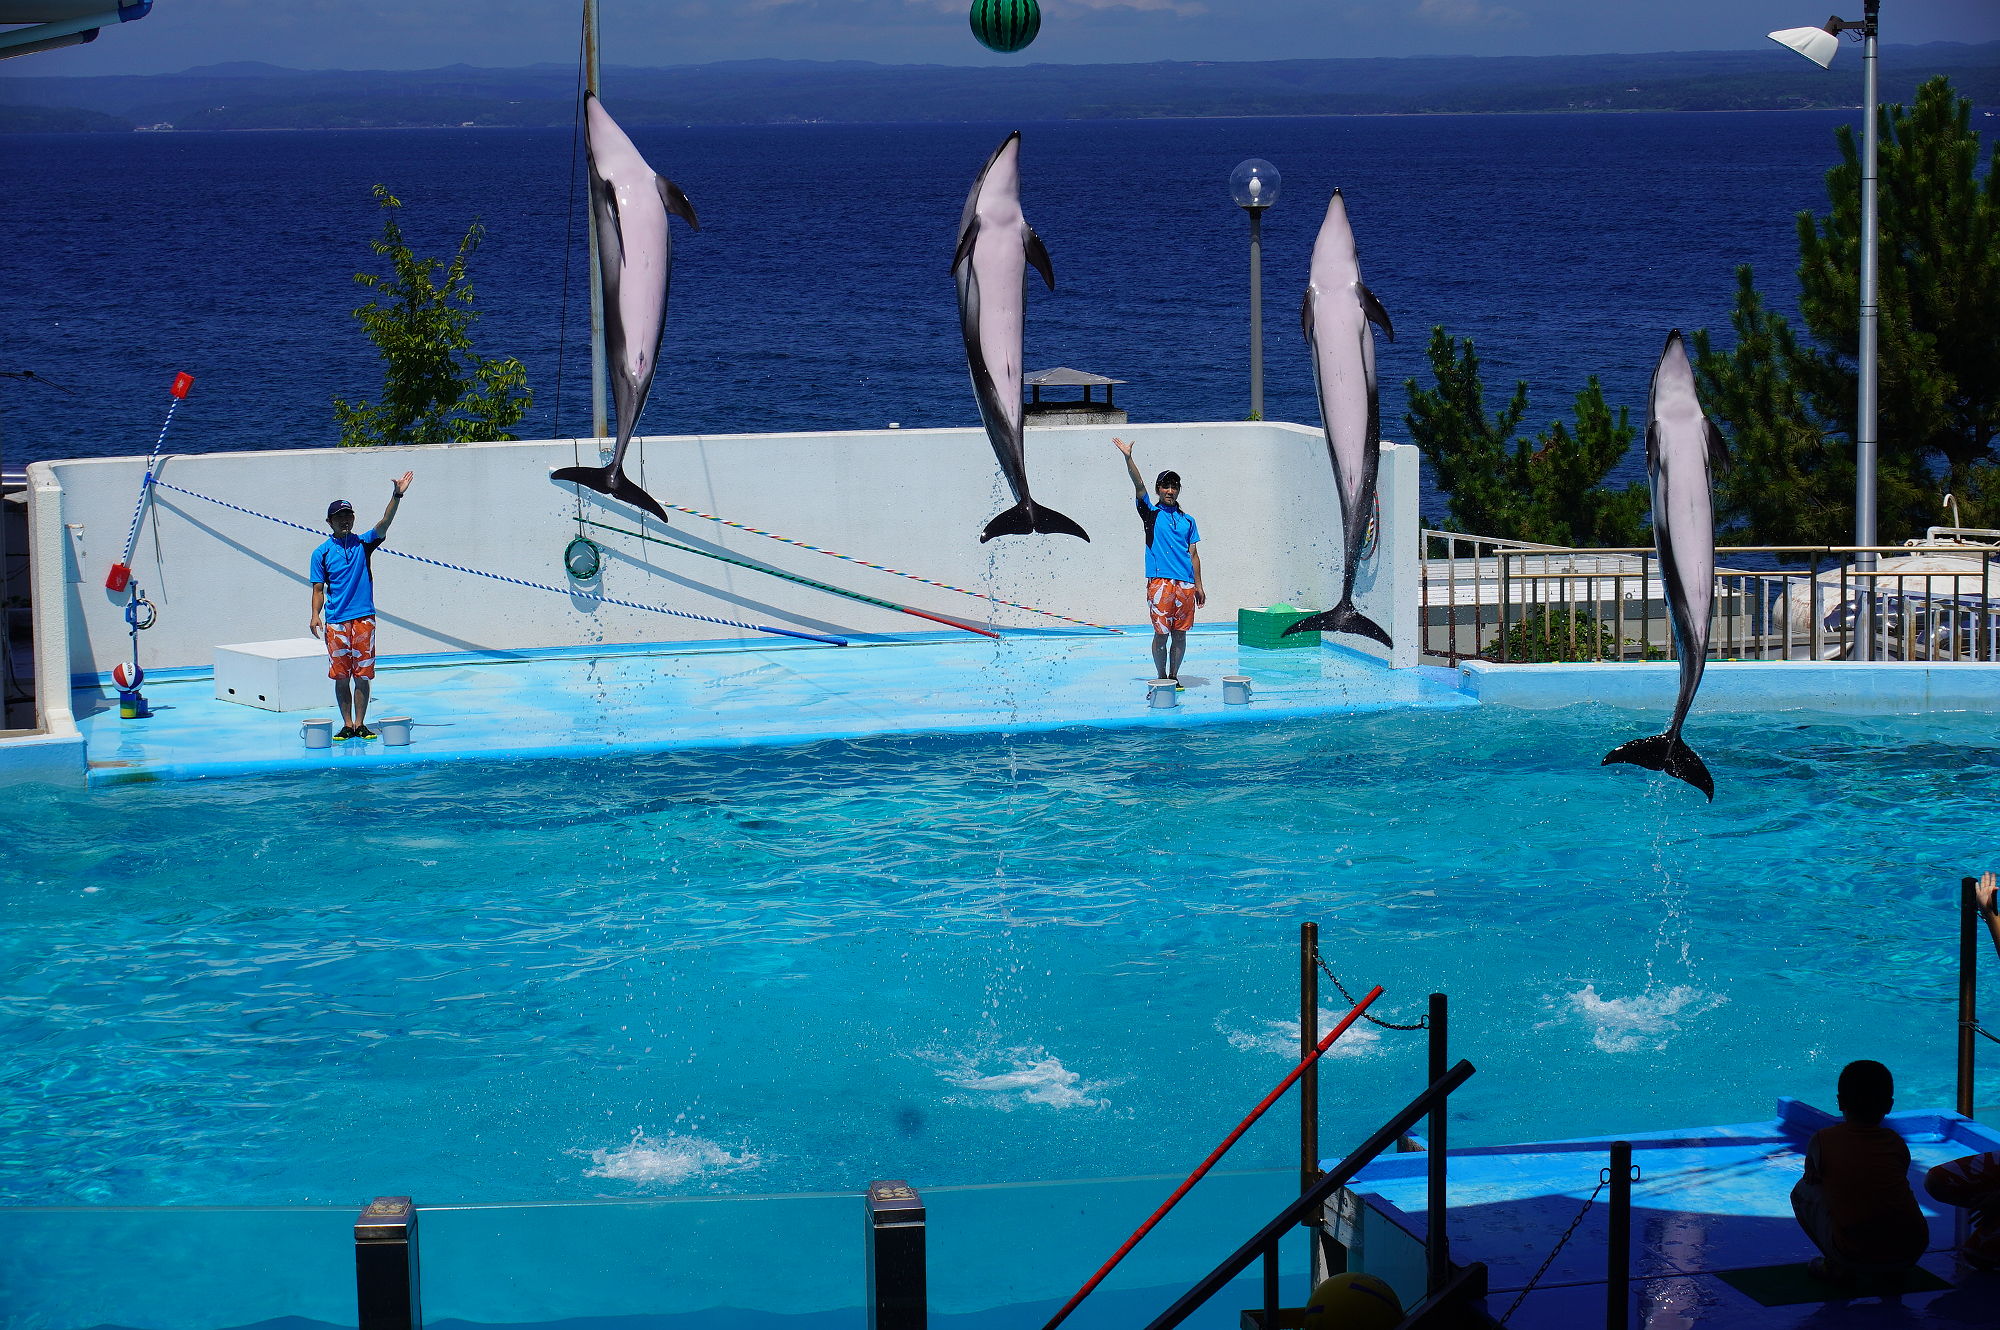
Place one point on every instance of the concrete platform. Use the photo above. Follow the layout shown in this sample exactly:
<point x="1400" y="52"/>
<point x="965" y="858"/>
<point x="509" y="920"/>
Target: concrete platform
<point x="1708" y="1201"/>
<point x="577" y="702"/>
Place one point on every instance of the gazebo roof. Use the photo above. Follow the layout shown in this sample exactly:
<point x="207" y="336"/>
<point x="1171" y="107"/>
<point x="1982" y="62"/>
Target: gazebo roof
<point x="1066" y="378"/>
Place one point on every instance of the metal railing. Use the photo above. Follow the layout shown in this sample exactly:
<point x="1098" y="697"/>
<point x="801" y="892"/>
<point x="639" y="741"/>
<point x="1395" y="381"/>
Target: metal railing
<point x="1264" y="1243"/>
<point x="1505" y="601"/>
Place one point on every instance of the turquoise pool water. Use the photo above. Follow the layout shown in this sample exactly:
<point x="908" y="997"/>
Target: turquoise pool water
<point x="958" y="958"/>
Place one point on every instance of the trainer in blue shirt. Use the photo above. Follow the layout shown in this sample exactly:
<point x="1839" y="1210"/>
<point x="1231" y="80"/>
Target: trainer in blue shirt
<point x="343" y="607"/>
<point x="1173" y="564"/>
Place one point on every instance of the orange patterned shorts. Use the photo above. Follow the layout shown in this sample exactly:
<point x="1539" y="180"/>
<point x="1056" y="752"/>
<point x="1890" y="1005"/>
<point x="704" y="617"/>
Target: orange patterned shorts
<point x="350" y="647"/>
<point x="1172" y="604"/>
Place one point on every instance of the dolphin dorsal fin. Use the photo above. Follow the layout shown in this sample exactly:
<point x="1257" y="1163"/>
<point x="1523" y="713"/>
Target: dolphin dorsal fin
<point x="677" y="202"/>
<point x="1718" y="451"/>
<point x="1373" y="309"/>
<point x="965" y="242"/>
<point x="1038" y="255"/>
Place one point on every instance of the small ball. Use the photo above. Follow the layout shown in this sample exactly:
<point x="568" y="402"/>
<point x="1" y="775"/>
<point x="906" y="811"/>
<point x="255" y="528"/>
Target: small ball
<point x="127" y="674"/>
<point x="1353" y="1301"/>
<point x="1005" y="26"/>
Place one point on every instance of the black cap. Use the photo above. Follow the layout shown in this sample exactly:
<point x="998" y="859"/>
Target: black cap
<point x="338" y="506"/>
<point x="1167" y="478"/>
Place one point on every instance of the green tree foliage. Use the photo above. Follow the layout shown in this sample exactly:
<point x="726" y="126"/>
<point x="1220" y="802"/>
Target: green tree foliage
<point x="1548" y="490"/>
<point x="1789" y="404"/>
<point x="435" y="387"/>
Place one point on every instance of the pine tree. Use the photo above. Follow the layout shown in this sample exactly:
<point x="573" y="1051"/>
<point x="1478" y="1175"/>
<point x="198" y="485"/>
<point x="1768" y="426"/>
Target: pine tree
<point x="435" y="388"/>
<point x="1789" y="405"/>
<point x="1551" y="490"/>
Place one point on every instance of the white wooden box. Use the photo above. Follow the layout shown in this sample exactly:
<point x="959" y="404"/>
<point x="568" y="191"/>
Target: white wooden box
<point x="277" y="676"/>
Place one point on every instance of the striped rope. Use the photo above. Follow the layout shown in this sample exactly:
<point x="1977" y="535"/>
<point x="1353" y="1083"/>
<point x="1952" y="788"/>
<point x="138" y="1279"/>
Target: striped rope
<point x="516" y="581"/>
<point x="139" y="508"/>
<point x="884" y="568"/>
<point x="756" y="567"/>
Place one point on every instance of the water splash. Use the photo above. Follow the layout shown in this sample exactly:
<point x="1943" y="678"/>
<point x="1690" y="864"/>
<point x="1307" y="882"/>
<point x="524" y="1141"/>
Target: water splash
<point x="1645" y="1021"/>
<point x="1265" y="1035"/>
<point x="666" y="1160"/>
<point x="1013" y="1078"/>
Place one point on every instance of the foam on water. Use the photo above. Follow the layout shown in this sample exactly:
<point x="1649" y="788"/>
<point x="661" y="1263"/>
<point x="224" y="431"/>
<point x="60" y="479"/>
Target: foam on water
<point x="1644" y="1021"/>
<point x="667" y="1160"/>
<point x="1265" y="1035"/>
<point x="1012" y="1078"/>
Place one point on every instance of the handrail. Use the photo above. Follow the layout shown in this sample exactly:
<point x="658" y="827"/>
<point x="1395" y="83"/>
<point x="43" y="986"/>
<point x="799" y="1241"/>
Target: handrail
<point x="1215" y="1156"/>
<point x="1265" y="1241"/>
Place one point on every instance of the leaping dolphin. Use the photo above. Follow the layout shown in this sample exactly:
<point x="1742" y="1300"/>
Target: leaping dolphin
<point x="995" y="246"/>
<point x="1335" y="314"/>
<point x="628" y="211"/>
<point x="1681" y="445"/>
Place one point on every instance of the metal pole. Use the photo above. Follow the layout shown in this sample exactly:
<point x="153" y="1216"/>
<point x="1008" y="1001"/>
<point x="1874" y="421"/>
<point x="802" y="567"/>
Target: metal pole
<point x="897" y="1296"/>
<point x="598" y="381"/>
<point x="1437" y="1245"/>
<point x="1865" y="422"/>
<point x="1968" y="979"/>
<point x="1618" y="1259"/>
<point x="386" y="1296"/>
<point x="1256" y="313"/>
<point x="1309" y="1087"/>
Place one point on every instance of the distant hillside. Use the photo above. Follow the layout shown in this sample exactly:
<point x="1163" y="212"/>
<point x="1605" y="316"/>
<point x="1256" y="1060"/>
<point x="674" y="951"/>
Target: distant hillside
<point x="253" y="96"/>
<point x="58" y="120"/>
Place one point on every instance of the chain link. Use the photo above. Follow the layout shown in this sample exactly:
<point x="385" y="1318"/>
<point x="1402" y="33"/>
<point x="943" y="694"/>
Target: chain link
<point x="1423" y="1022"/>
<point x="1977" y="1028"/>
<point x="1603" y="1179"/>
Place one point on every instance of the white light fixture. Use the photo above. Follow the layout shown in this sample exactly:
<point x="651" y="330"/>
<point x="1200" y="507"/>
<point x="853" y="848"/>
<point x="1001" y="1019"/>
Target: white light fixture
<point x="1815" y="44"/>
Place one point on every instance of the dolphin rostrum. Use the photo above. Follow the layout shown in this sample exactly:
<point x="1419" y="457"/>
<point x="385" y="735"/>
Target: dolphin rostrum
<point x="1681" y="445"/>
<point x="995" y="246"/>
<point x="628" y="211"/>
<point x="1335" y="314"/>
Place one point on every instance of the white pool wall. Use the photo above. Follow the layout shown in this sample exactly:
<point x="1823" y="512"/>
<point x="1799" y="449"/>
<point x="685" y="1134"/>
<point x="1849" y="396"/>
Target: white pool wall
<point x="911" y="499"/>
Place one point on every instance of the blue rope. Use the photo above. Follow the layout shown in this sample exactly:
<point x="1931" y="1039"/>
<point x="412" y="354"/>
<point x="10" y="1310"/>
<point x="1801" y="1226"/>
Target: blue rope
<point x="515" y="581"/>
<point x="132" y="536"/>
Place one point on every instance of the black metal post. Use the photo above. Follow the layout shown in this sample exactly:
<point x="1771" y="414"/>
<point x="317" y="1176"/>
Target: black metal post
<point x="386" y="1296"/>
<point x="1308" y="1040"/>
<point x="897" y="1297"/>
<point x="1968" y="979"/>
<point x="1437" y="1242"/>
<point x="1618" y="1257"/>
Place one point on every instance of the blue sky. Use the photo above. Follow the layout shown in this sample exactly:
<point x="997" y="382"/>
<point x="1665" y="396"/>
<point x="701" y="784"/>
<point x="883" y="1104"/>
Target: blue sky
<point x="418" y="34"/>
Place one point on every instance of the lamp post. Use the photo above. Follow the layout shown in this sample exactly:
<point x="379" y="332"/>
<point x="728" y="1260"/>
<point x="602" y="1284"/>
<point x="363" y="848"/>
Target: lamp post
<point x="1819" y="45"/>
<point x="1254" y="187"/>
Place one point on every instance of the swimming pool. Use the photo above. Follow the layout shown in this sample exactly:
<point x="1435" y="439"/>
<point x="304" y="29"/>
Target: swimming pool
<point x="958" y="959"/>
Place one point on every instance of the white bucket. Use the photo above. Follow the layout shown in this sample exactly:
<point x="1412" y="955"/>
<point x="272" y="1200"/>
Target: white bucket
<point x="395" y="731"/>
<point x="1236" y="689"/>
<point x="316" y="733"/>
<point x="1162" y="693"/>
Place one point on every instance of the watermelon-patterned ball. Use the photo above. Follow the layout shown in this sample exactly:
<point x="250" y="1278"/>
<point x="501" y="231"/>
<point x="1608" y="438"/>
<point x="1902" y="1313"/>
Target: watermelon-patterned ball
<point x="1005" y="26"/>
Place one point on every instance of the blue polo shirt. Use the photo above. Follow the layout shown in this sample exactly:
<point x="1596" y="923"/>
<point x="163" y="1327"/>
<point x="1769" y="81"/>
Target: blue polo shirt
<point x="1170" y="537"/>
<point x="341" y="562"/>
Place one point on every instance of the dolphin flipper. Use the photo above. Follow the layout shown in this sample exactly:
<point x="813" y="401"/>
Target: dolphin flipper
<point x="1038" y="256"/>
<point x="613" y="481"/>
<point x="1668" y="753"/>
<point x="1342" y="618"/>
<point x="676" y="202"/>
<point x="1029" y="517"/>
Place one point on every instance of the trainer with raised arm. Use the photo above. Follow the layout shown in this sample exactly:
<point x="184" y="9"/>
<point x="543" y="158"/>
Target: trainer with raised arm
<point x="343" y="606"/>
<point x="1173" y="565"/>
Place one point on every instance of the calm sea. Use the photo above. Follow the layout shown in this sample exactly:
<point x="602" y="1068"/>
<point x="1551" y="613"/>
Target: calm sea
<point x="817" y="294"/>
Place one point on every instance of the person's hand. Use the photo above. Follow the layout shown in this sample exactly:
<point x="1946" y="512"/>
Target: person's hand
<point x="1122" y="446"/>
<point x="1986" y="893"/>
<point x="403" y="485"/>
<point x="313" y="625"/>
<point x="1200" y="598"/>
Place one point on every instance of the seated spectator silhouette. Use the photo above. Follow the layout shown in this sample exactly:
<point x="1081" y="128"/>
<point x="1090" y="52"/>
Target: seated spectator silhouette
<point x="1854" y="1201"/>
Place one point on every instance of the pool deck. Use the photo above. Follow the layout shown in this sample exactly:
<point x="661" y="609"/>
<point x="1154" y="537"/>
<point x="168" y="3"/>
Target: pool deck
<point x="1709" y="1202"/>
<point x="600" y="700"/>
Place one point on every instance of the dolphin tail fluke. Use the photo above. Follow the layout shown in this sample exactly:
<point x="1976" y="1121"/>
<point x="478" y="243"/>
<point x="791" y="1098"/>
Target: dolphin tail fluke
<point x="1342" y="618"/>
<point x="612" y="481"/>
<point x="1668" y="753"/>
<point x="1026" y="518"/>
